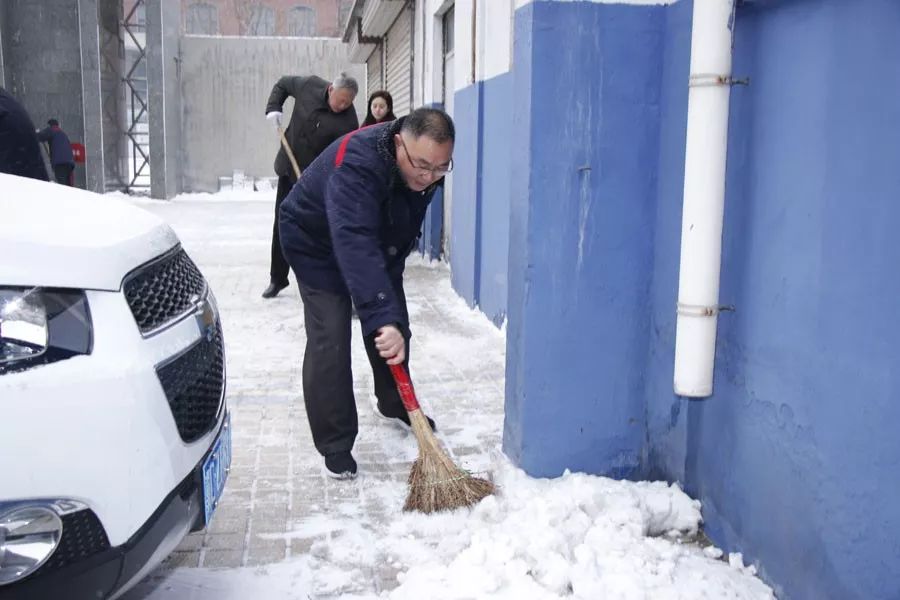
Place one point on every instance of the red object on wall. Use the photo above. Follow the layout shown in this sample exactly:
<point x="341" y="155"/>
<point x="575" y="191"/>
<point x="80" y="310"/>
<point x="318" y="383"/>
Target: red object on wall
<point x="78" y="152"/>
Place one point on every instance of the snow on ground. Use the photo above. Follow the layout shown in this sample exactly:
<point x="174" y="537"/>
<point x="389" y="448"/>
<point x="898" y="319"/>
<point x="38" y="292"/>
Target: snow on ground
<point x="576" y="536"/>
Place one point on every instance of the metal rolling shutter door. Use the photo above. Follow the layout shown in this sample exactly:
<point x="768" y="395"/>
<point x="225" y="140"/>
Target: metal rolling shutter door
<point x="374" y="72"/>
<point x="399" y="61"/>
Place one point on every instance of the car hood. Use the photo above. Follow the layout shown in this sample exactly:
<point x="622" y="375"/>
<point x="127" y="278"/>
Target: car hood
<point x="56" y="236"/>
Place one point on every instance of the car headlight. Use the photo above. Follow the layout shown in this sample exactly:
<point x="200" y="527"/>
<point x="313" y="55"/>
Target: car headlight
<point x="42" y="325"/>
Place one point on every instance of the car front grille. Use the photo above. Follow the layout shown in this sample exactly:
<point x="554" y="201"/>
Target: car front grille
<point x="164" y="289"/>
<point x="194" y="383"/>
<point x="82" y="537"/>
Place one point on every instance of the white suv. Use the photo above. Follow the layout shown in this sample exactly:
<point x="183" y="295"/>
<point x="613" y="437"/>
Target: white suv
<point x="114" y="435"/>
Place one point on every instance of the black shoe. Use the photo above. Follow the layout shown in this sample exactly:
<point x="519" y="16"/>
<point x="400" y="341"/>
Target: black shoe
<point x="273" y="289"/>
<point x="401" y="419"/>
<point x="340" y="465"/>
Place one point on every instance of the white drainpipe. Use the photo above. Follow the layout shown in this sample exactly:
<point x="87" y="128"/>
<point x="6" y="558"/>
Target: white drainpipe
<point x="704" y="197"/>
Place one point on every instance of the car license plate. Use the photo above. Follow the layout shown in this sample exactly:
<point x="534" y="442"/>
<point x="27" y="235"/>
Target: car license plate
<point x="215" y="470"/>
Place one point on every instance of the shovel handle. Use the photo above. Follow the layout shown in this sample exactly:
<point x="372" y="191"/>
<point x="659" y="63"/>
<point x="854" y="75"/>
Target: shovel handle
<point x="405" y="387"/>
<point x="289" y="152"/>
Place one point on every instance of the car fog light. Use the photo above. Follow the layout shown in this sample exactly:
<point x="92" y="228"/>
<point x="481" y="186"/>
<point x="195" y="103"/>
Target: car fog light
<point x="28" y="536"/>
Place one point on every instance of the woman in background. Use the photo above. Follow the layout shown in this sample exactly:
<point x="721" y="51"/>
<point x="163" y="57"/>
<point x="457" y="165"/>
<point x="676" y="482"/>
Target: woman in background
<point x="380" y="108"/>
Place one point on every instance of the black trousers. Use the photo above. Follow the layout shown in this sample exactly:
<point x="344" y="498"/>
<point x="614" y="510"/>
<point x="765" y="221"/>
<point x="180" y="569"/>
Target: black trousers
<point x="279" y="268"/>
<point x="63" y="174"/>
<point x="327" y="375"/>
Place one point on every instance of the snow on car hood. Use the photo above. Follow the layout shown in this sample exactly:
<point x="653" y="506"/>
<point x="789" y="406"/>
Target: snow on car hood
<point x="56" y="236"/>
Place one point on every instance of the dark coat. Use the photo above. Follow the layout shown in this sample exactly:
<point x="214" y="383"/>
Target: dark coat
<point x="20" y="153"/>
<point x="350" y="228"/>
<point x="60" y="146"/>
<point x="313" y="126"/>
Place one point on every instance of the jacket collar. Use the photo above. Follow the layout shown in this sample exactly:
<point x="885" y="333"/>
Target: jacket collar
<point x="385" y="144"/>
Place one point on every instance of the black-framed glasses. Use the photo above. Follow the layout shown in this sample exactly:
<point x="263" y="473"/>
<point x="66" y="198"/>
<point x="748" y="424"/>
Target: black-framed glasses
<point x="436" y="171"/>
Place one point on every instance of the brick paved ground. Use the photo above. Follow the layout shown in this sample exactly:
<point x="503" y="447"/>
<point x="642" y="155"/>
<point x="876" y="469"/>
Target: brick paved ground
<point x="278" y="505"/>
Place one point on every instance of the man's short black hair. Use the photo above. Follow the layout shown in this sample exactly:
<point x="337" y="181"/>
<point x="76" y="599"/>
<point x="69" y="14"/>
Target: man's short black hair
<point x="53" y="123"/>
<point x="431" y="122"/>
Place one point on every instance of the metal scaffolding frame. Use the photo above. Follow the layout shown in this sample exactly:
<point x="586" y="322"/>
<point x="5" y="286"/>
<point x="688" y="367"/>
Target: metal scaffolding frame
<point x="112" y="56"/>
<point x="134" y="79"/>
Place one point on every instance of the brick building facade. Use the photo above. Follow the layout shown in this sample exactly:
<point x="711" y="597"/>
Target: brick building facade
<point x="295" y="18"/>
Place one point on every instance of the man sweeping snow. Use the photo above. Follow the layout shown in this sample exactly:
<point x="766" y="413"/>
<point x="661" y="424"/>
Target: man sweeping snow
<point x="346" y="230"/>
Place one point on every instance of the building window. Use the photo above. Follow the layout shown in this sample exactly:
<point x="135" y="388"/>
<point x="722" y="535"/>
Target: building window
<point x="202" y="19"/>
<point x="262" y="21"/>
<point x="302" y="21"/>
<point x="447" y="30"/>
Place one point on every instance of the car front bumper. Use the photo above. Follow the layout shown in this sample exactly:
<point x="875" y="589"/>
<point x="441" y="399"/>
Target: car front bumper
<point x="108" y="573"/>
<point x="113" y="430"/>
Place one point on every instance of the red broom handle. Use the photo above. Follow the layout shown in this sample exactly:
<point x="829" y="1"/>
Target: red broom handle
<point x="405" y="387"/>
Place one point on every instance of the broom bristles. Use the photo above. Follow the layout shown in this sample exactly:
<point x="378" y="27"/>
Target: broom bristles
<point x="435" y="482"/>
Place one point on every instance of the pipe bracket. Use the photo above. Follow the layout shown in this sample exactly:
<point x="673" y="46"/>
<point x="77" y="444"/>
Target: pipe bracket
<point x="714" y="80"/>
<point x="701" y="310"/>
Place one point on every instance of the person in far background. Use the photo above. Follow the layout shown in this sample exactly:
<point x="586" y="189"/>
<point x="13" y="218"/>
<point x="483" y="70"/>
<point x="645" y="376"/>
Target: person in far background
<point x="61" y="158"/>
<point x="20" y="152"/>
<point x="380" y="108"/>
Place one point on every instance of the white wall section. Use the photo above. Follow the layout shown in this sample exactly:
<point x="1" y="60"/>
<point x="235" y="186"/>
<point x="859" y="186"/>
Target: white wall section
<point x="495" y="37"/>
<point x="225" y="85"/>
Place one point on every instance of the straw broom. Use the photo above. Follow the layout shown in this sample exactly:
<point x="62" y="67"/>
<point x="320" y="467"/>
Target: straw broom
<point x="435" y="482"/>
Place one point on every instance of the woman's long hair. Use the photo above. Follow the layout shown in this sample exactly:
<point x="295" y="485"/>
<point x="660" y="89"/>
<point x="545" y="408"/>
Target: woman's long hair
<point x="389" y="116"/>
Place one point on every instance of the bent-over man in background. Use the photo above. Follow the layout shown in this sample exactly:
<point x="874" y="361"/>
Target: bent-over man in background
<point x="322" y="113"/>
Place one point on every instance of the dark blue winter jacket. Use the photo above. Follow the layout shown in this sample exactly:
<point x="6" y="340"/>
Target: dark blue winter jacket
<point x="349" y="228"/>
<point x="20" y="153"/>
<point x="60" y="146"/>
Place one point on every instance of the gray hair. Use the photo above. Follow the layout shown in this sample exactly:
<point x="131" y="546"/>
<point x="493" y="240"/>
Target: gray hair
<point x="344" y="81"/>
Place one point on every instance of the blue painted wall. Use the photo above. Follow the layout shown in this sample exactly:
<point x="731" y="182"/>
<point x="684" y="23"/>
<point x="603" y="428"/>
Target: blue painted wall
<point x="430" y="244"/>
<point x="517" y="440"/>
<point x="496" y="173"/>
<point x="465" y="237"/>
<point x="582" y="212"/>
<point x="666" y="447"/>
<point x="479" y="245"/>
<point x="796" y="457"/>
